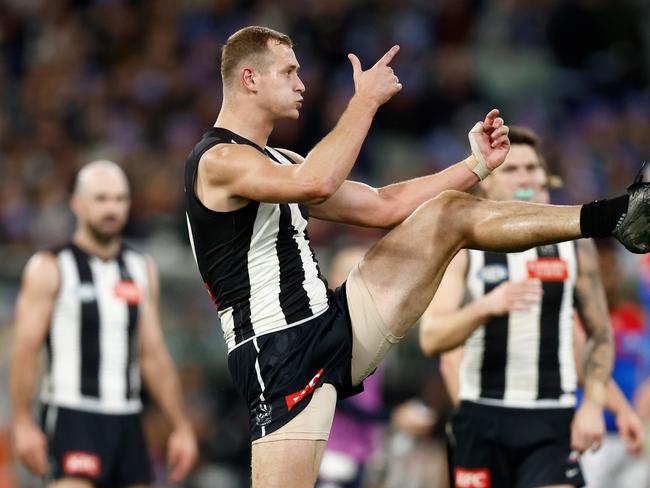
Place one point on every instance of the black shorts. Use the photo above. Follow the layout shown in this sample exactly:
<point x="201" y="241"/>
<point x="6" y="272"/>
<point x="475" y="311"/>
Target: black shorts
<point x="292" y="362"/>
<point x="105" y="449"/>
<point x="502" y="447"/>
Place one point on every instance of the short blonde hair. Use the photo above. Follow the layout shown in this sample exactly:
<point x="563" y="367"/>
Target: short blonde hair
<point x="249" y="42"/>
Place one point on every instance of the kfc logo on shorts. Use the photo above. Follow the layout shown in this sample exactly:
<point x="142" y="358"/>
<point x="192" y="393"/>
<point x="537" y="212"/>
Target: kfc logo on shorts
<point x="472" y="478"/>
<point x="128" y="291"/>
<point x="81" y="463"/>
<point x="298" y="396"/>
<point x="548" y="269"/>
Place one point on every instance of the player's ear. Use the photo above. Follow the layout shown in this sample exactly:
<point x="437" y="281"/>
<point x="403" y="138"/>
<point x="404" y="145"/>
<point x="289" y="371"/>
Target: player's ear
<point x="248" y="77"/>
<point x="75" y="204"/>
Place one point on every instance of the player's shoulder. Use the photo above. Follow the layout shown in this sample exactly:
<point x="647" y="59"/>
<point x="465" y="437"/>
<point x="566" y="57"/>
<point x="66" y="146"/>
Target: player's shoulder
<point x="42" y="269"/>
<point x="46" y="258"/>
<point x="226" y="153"/>
<point x="224" y="161"/>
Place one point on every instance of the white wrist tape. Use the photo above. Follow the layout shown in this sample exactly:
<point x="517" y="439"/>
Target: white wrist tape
<point x="478" y="165"/>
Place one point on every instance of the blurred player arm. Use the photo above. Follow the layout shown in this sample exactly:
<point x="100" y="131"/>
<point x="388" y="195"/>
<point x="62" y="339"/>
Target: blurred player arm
<point x="591" y="304"/>
<point x="588" y="426"/>
<point x="40" y="284"/>
<point x="629" y="425"/>
<point x="449" y="370"/>
<point x="161" y="378"/>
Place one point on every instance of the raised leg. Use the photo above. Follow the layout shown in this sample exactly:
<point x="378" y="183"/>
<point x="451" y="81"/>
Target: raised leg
<point x="403" y="270"/>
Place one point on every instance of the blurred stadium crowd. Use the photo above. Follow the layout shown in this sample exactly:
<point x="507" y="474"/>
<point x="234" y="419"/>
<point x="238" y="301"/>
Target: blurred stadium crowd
<point x="138" y="81"/>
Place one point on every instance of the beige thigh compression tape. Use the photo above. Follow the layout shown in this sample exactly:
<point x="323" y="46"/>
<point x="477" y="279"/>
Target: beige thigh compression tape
<point x="370" y="335"/>
<point x="313" y="423"/>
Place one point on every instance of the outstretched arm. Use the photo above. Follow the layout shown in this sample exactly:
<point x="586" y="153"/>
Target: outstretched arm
<point x="239" y="173"/>
<point x="36" y="298"/>
<point x="588" y="425"/>
<point x="386" y="207"/>
<point x="159" y="374"/>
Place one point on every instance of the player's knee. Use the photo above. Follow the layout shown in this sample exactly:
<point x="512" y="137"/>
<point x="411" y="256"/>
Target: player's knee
<point x="446" y="211"/>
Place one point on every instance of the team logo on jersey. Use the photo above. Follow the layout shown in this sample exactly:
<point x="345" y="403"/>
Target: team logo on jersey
<point x="493" y="273"/>
<point x="298" y="396"/>
<point x="81" y="463"/>
<point x="548" y="269"/>
<point x="128" y="291"/>
<point x="86" y="293"/>
<point x="472" y="478"/>
<point x="547" y="250"/>
<point x="262" y="414"/>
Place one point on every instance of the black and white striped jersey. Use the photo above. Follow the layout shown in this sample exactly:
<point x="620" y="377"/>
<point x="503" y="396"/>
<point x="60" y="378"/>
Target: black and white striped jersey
<point x="92" y="341"/>
<point x="525" y="358"/>
<point x="256" y="261"/>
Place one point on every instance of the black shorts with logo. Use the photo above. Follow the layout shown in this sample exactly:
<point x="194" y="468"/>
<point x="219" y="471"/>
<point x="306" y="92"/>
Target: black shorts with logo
<point x="108" y="450"/>
<point x="292" y="362"/>
<point x="503" y="447"/>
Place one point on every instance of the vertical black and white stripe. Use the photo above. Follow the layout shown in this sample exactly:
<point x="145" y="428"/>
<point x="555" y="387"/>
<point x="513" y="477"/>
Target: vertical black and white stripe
<point x="525" y="358"/>
<point x="92" y="363"/>
<point x="256" y="261"/>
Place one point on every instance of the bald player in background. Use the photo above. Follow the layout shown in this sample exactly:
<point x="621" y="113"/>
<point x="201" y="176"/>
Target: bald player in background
<point x="93" y="303"/>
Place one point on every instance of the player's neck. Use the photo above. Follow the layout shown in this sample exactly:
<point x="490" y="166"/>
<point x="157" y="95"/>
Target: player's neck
<point x="103" y="250"/>
<point x="246" y="121"/>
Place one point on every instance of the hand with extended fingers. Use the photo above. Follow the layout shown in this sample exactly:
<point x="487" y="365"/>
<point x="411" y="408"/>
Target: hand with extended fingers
<point x="513" y="296"/>
<point x="378" y="84"/>
<point x="489" y="140"/>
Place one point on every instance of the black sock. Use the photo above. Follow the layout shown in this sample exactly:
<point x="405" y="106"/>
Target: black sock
<point x="599" y="218"/>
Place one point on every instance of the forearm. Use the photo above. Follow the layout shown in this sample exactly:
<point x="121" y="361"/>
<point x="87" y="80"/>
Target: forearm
<point x="24" y="365"/>
<point x="164" y="386"/>
<point x="449" y="370"/>
<point x="616" y="402"/>
<point x="597" y="367"/>
<point x="331" y="160"/>
<point x="592" y="307"/>
<point x="448" y="331"/>
<point x="409" y="195"/>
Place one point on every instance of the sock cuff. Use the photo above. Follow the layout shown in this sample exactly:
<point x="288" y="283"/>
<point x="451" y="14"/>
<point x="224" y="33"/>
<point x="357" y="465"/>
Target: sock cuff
<point x="599" y="218"/>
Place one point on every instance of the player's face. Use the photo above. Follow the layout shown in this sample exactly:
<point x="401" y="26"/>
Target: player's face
<point x="102" y="205"/>
<point x="280" y="87"/>
<point x="541" y="188"/>
<point x="520" y="177"/>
